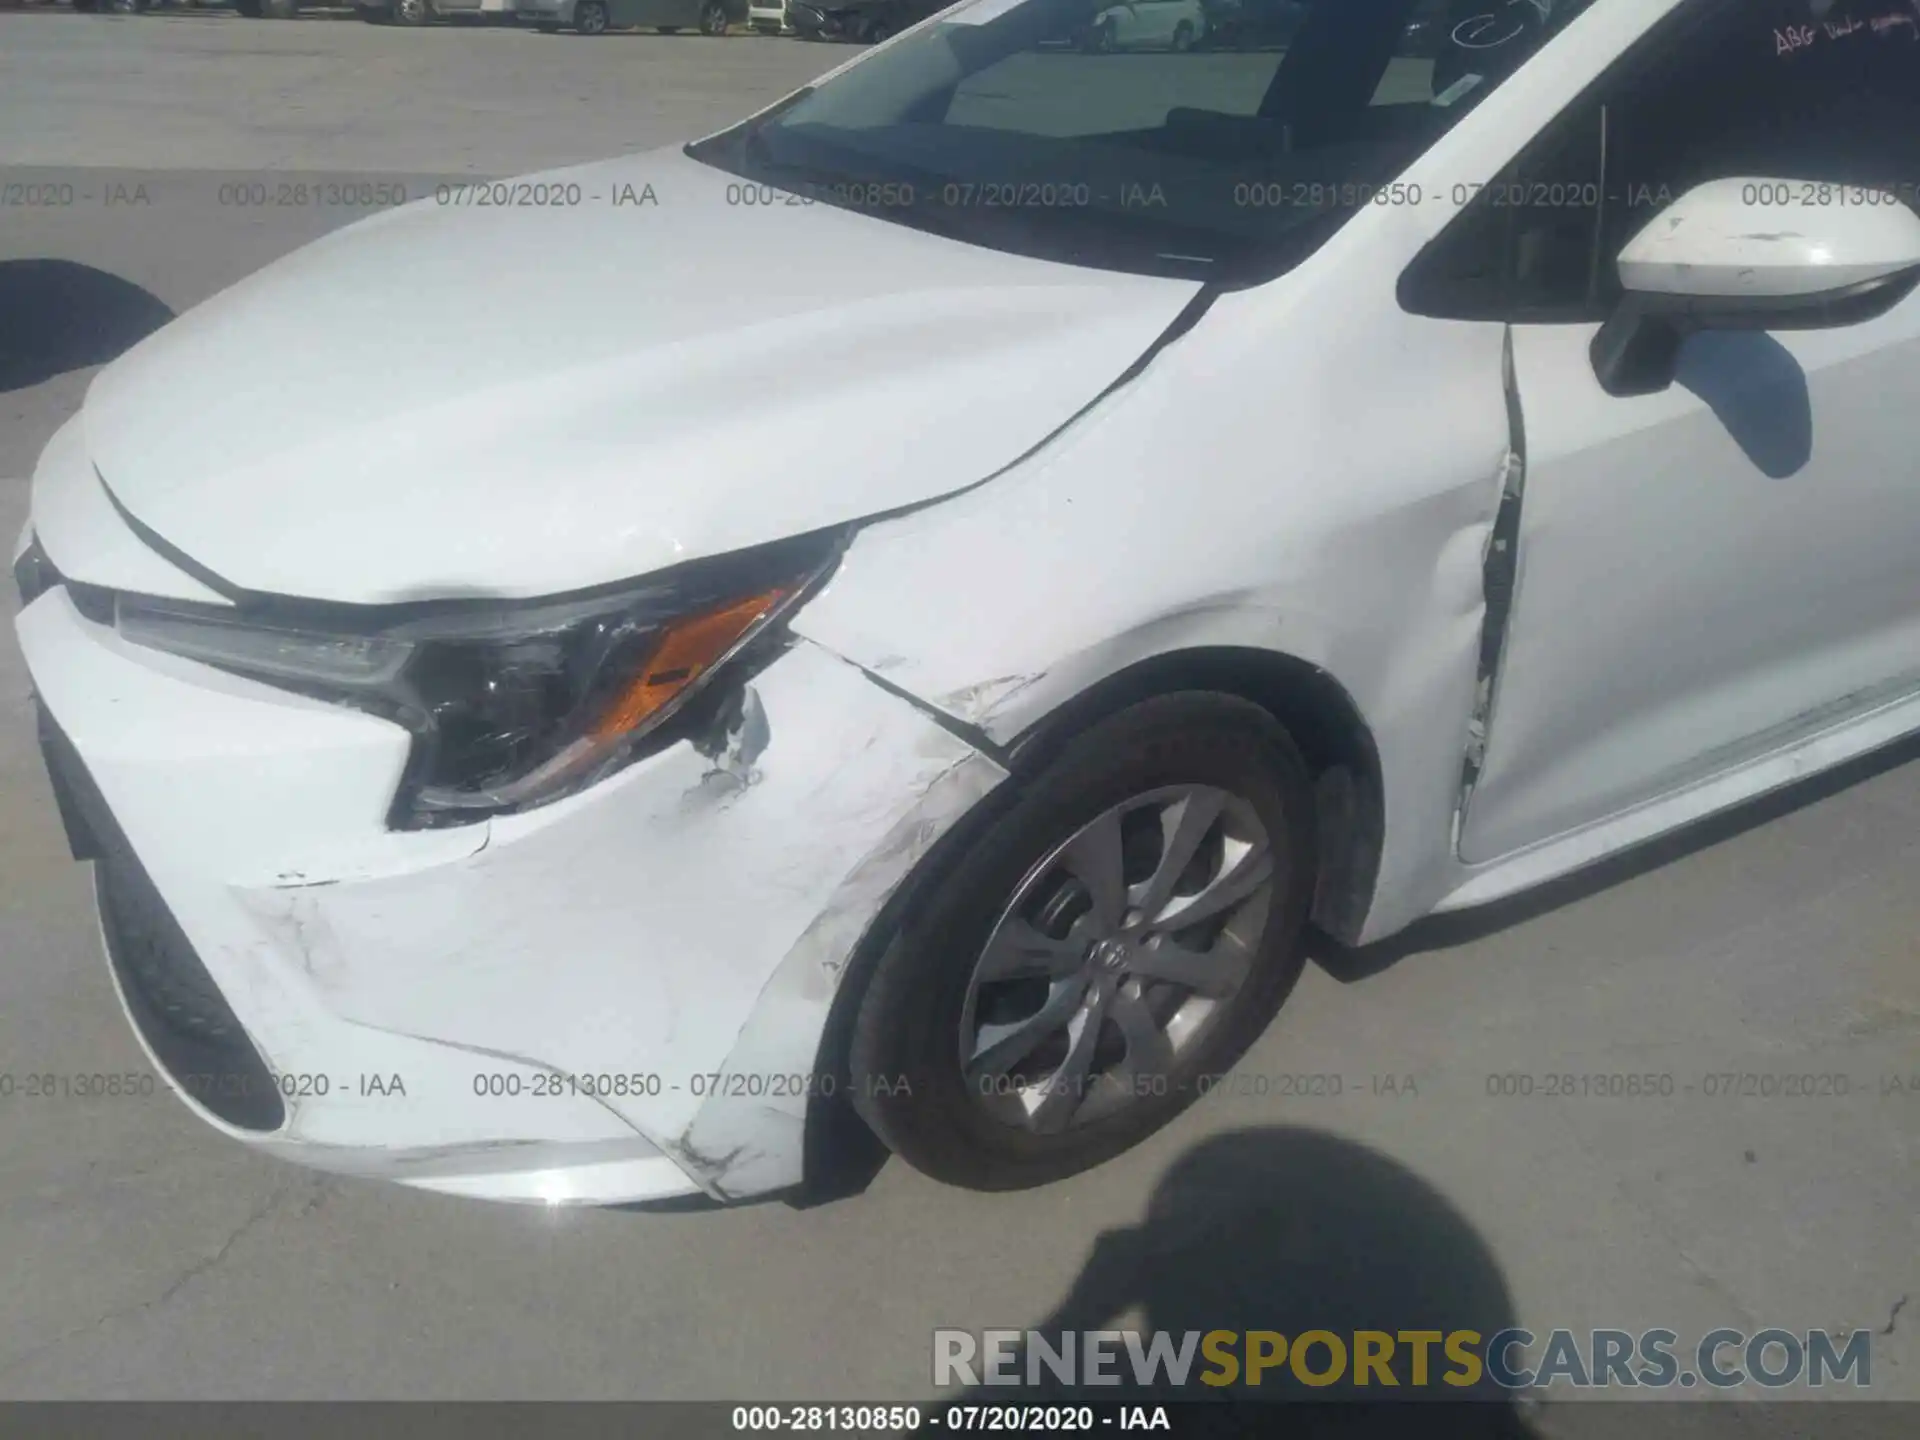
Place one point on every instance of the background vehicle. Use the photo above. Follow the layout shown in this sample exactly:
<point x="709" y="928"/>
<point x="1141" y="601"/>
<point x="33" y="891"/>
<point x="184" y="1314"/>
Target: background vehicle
<point x="596" y="17"/>
<point x="1251" y="24"/>
<point x="866" y="21"/>
<point x="419" y="12"/>
<point x="1147" y="25"/>
<point x="252" y="9"/>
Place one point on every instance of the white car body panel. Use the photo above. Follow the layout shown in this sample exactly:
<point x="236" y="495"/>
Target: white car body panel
<point x="1766" y="638"/>
<point x="1749" y="254"/>
<point x="1286" y="537"/>
<point x="348" y="949"/>
<point x="593" y="423"/>
<point x="1354" y="546"/>
<point x="88" y="540"/>
<point x="585" y="424"/>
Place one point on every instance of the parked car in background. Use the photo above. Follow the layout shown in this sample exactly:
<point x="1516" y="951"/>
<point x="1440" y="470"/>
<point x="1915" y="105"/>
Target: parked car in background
<point x="419" y="12"/>
<point x="596" y="17"/>
<point x="1252" y="24"/>
<point x="769" y="17"/>
<point x="1147" y="25"/>
<point x="252" y="9"/>
<point x="866" y="22"/>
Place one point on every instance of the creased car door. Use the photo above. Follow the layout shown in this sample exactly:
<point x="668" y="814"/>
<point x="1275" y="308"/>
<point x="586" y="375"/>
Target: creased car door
<point x="1717" y="571"/>
<point x="1705" y="574"/>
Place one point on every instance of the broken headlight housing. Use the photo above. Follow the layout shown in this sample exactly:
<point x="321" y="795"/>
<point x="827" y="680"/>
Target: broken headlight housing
<point x="512" y="705"/>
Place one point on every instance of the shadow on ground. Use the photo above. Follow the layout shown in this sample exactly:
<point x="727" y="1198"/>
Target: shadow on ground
<point x="57" y="316"/>
<point x="1290" y="1230"/>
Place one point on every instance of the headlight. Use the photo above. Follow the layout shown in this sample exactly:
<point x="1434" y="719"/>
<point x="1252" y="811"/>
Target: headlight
<point x="511" y="705"/>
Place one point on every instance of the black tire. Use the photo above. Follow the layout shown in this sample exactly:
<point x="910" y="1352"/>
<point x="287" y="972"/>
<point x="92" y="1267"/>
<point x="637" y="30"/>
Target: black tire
<point x="713" y="18"/>
<point x="590" y="17"/>
<point x="1104" y="38"/>
<point x="410" y="13"/>
<point x="128" y="7"/>
<point x="877" y="32"/>
<point x="909" y="1019"/>
<point x="1183" y="37"/>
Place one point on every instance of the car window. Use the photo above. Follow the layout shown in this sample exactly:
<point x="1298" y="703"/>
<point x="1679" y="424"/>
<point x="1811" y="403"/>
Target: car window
<point x="1825" y="93"/>
<point x="1222" y="139"/>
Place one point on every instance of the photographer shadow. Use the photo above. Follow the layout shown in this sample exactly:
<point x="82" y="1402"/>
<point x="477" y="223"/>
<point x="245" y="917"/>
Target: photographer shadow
<point x="1290" y="1230"/>
<point x="56" y="316"/>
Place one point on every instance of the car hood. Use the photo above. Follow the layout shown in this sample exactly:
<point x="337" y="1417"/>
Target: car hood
<point x="522" y="399"/>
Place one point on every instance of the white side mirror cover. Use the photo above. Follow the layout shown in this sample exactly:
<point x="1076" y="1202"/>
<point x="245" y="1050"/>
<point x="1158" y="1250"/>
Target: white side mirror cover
<point x="1736" y="238"/>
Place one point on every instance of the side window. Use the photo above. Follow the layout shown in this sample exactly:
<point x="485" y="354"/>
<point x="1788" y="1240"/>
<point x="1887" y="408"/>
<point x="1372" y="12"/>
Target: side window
<point x="1814" y="91"/>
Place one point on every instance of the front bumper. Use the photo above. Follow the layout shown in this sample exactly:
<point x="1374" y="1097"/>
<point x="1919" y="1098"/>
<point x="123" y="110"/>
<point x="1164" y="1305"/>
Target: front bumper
<point x="617" y="997"/>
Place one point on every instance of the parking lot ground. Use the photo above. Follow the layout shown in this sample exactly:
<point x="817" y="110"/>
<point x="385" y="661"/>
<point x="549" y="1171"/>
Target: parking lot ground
<point x="1395" y="1152"/>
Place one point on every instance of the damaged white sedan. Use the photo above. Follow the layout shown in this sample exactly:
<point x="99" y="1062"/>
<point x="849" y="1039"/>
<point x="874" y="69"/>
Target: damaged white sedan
<point x="908" y="607"/>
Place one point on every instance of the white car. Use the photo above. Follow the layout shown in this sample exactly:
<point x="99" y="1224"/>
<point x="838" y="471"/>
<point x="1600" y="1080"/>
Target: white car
<point x="1159" y="525"/>
<point x="1147" y="24"/>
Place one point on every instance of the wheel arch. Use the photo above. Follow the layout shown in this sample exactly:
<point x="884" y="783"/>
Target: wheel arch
<point x="1333" y="737"/>
<point x="1314" y="708"/>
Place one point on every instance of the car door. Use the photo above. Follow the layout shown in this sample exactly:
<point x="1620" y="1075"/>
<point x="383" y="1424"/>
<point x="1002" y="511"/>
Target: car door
<point x="1708" y="574"/>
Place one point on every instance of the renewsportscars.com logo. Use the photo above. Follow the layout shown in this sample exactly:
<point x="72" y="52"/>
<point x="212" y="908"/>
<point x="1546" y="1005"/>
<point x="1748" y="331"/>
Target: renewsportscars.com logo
<point x="1512" y="1359"/>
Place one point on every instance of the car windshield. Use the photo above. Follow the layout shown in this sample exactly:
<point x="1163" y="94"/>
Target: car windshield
<point x="1218" y="139"/>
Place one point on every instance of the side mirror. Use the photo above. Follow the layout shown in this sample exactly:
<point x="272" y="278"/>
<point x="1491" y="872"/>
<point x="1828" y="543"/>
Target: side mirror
<point x="1746" y="255"/>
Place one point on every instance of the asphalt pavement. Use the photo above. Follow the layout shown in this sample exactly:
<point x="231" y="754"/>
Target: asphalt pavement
<point x="1375" y="1159"/>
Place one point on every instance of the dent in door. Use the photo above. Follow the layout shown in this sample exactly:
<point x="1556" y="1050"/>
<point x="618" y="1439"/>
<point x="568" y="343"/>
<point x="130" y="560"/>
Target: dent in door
<point x="1706" y="575"/>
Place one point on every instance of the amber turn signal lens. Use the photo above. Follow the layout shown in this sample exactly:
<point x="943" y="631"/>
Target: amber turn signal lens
<point x="687" y="650"/>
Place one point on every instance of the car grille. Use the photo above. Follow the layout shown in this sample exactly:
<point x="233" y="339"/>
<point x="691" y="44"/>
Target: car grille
<point x="180" y="1012"/>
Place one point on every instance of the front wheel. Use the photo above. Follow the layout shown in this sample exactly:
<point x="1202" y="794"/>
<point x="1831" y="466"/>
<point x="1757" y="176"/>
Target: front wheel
<point x="1106" y="942"/>
<point x="1182" y="37"/>
<point x="713" y="18"/>
<point x="590" y="17"/>
<point x="409" y="12"/>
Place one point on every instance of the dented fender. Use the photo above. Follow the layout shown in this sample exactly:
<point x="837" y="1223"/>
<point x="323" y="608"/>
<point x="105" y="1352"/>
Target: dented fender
<point x="745" y="1140"/>
<point x="1312" y="532"/>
